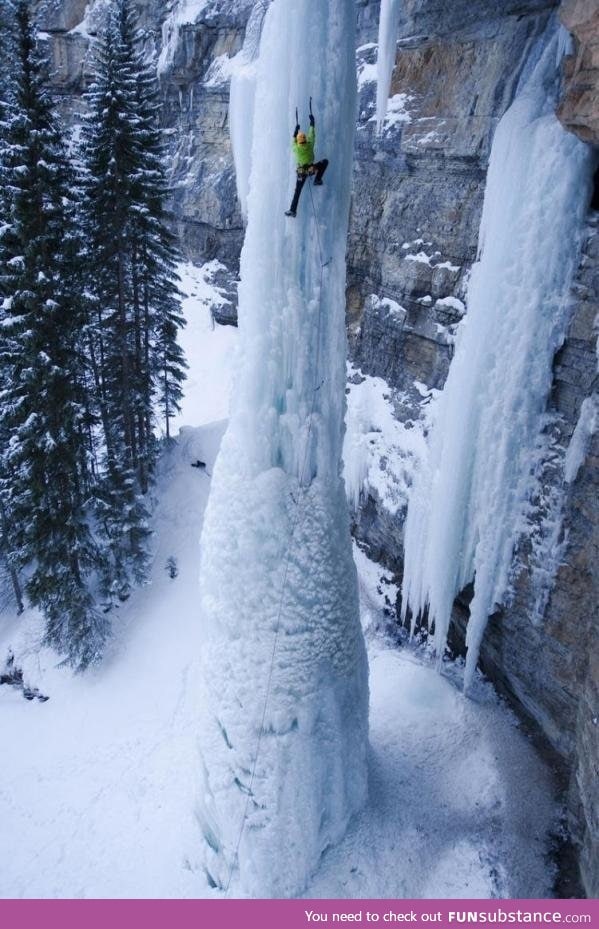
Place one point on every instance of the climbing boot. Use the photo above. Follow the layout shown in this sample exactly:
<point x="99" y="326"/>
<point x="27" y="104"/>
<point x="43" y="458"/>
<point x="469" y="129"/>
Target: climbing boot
<point x="290" y="213"/>
<point x="317" y="183"/>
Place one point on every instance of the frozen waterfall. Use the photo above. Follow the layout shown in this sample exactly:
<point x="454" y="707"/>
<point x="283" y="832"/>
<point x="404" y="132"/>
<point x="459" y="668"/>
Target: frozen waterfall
<point x="283" y="733"/>
<point x="241" y="101"/>
<point x="387" y="45"/>
<point x="467" y="505"/>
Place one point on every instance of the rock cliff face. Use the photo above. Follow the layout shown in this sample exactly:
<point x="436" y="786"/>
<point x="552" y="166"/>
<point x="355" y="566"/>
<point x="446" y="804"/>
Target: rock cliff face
<point x="417" y="200"/>
<point x="579" y="110"/>
<point x="192" y="43"/>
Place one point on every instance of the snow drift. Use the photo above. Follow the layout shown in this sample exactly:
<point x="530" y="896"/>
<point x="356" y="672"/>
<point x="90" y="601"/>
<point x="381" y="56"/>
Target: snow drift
<point x="467" y="505"/>
<point x="284" y="727"/>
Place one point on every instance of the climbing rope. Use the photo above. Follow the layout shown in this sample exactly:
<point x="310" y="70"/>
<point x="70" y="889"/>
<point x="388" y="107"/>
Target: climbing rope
<point x="294" y="526"/>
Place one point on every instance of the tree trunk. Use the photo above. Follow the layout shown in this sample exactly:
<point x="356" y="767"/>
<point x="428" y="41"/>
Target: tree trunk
<point x="14" y="576"/>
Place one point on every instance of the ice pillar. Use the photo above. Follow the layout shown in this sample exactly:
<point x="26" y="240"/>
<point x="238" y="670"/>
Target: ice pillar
<point x="284" y="721"/>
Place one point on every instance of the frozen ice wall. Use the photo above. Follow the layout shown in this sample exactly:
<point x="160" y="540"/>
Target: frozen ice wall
<point x="241" y="101"/>
<point x="387" y="45"/>
<point x="467" y="505"/>
<point x="181" y="13"/>
<point x="284" y="726"/>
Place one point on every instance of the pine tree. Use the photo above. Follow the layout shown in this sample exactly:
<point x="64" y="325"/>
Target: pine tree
<point x="156" y="256"/>
<point x="133" y="248"/>
<point x="7" y="101"/>
<point x="7" y="31"/>
<point x="134" y="307"/>
<point x="42" y="399"/>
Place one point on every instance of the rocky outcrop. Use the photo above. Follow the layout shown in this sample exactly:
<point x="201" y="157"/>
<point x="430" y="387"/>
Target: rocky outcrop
<point x="579" y="109"/>
<point x="195" y="83"/>
<point x="576" y="594"/>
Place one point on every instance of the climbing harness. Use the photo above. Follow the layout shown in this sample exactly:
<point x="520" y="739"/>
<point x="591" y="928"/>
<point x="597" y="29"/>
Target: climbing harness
<point x="305" y="170"/>
<point x="294" y="526"/>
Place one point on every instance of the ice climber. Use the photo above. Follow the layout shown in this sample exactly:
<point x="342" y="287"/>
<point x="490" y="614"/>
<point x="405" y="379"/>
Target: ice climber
<point x="303" y="149"/>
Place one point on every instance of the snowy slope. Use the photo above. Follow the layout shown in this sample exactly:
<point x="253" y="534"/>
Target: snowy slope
<point x="209" y="349"/>
<point x="98" y="784"/>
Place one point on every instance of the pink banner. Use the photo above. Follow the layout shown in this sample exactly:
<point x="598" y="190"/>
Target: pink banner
<point x="290" y="914"/>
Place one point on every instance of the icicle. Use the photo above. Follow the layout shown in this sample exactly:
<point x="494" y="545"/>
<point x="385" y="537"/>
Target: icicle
<point x="587" y="425"/>
<point x="283" y="658"/>
<point x="388" y="25"/>
<point x="565" y="44"/>
<point x="466" y="508"/>
<point x="241" y="101"/>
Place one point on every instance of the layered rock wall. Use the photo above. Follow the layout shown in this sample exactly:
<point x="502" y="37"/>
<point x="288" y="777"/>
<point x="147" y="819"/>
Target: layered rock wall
<point x="579" y="110"/>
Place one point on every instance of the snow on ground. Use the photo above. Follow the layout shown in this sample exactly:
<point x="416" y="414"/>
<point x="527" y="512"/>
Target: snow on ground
<point x="209" y="348"/>
<point x="97" y="785"/>
<point x="460" y="804"/>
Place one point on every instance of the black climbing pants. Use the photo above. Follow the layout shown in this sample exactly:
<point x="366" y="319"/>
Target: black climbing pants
<point x="317" y="169"/>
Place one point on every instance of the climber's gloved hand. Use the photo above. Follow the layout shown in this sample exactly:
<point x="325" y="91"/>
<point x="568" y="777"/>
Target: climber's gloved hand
<point x="311" y="119"/>
<point x="296" y="130"/>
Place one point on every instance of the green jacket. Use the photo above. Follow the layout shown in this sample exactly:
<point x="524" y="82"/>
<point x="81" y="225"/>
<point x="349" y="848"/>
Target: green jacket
<point x="304" y="154"/>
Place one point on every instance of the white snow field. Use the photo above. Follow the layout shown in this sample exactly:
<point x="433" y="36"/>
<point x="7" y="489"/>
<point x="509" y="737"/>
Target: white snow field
<point x="283" y="729"/>
<point x="98" y="785"/>
<point x="208" y="384"/>
<point x="467" y="506"/>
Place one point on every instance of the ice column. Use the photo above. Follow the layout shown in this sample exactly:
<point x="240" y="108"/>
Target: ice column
<point x="241" y="101"/>
<point x="388" y="25"/>
<point x="276" y="551"/>
<point x="467" y="505"/>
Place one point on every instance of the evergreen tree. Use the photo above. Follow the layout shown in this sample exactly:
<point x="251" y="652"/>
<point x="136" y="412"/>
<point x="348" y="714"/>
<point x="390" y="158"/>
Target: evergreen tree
<point x="7" y="100"/>
<point x="7" y="30"/>
<point x="156" y="256"/>
<point x="134" y="307"/>
<point x="43" y="466"/>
